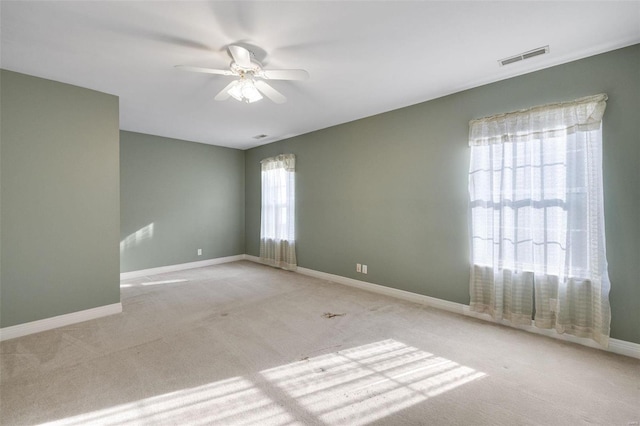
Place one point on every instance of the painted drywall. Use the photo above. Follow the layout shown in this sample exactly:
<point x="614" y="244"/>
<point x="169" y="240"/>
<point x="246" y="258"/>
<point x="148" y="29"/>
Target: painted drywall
<point x="178" y="197"/>
<point x="390" y="191"/>
<point x="59" y="199"/>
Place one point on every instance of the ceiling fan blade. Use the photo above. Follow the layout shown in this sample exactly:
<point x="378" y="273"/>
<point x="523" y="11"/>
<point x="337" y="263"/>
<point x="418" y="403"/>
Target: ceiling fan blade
<point x="270" y="92"/>
<point x="284" y="74"/>
<point x="241" y="56"/>
<point x="223" y="95"/>
<point x="205" y="70"/>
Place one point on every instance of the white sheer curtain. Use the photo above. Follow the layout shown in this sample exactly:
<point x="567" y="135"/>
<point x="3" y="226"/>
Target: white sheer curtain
<point x="537" y="218"/>
<point x="277" y="230"/>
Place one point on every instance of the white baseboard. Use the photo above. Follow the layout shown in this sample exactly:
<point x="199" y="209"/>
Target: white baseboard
<point x="251" y="258"/>
<point x="387" y="291"/>
<point x="180" y="267"/>
<point x="20" y="330"/>
<point x="620" y="347"/>
<point x="75" y="317"/>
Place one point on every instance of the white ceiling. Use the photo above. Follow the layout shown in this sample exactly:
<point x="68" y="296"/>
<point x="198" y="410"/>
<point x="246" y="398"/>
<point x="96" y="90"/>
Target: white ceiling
<point x="364" y="57"/>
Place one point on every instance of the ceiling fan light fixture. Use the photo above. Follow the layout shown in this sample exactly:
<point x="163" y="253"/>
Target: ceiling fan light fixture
<point x="245" y="91"/>
<point x="250" y="87"/>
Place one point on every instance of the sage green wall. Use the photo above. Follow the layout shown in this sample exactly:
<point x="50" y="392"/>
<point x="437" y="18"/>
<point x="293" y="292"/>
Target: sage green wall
<point x="191" y="194"/>
<point x="390" y="191"/>
<point x="59" y="199"/>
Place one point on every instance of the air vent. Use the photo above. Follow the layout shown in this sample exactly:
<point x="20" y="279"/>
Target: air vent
<point x="522" y="56"/>
<point x="260" y="136"/>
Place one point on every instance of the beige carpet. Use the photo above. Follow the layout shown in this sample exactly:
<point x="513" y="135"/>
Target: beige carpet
<point x="241" y="343"/>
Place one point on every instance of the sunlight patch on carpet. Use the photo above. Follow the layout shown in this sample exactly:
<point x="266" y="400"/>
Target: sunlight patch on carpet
<point x="363" y="384"/>
<point x="352" y="386"/>
<point x="230" y="401"/>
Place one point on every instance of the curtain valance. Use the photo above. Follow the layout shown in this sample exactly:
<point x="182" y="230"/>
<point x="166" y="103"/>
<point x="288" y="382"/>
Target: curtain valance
<point x="567" y="117"/>
<point x="282" y="161"/>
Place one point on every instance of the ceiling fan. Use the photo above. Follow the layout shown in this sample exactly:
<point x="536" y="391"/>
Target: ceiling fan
<point x="250" y="86"/>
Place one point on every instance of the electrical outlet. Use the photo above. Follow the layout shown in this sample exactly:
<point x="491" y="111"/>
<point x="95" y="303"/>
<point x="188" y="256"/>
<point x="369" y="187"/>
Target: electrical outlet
<point x="364" y="269"/>
<point x="199" y="252"/>
<point x="358" y="267"/>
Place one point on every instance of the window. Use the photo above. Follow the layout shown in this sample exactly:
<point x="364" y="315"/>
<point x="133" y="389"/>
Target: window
<point x="277" y="230"/>
<point x="537" y="218"/>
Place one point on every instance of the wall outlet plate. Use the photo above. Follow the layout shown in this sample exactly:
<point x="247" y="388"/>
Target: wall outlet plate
<point x="199" y="252"/>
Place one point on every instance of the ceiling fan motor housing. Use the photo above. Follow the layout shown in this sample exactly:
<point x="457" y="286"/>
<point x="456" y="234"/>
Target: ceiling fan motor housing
<point x="237" y="68"/>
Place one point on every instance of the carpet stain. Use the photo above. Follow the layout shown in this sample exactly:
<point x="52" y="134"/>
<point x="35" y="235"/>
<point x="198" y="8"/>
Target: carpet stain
<point x="331" y="315"/>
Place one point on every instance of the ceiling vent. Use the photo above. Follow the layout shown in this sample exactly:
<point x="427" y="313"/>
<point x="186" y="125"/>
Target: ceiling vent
<point x="260" y="136"/>
<point x="522" y="56"/>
